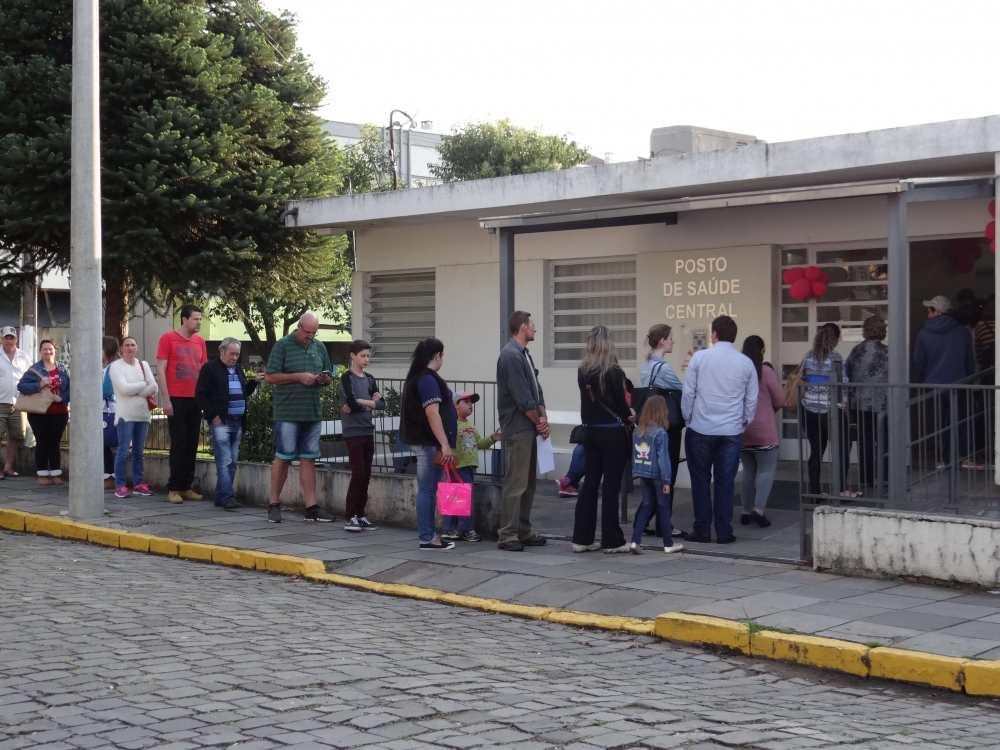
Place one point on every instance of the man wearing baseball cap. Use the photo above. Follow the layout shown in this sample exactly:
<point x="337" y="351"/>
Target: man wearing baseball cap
<point x="943" y="354"/>
<point x="13" y="364"/>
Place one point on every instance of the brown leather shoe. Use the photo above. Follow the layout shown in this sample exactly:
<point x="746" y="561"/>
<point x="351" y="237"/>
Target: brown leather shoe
<point x="109" y="483"/>
<point x="175" y="498"/>
<point x="44" y="481"/>
<point x="191" y="495"/>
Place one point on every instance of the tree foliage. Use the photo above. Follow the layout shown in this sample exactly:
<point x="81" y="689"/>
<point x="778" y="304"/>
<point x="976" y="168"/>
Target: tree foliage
<point x="496" y="149"/>
<point x="206" y="131"/>
<point x="369" y="164"/>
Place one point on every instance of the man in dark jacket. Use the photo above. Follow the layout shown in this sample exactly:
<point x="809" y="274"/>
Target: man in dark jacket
<point x="944" y="354"/>
<point x="222" y="392"/>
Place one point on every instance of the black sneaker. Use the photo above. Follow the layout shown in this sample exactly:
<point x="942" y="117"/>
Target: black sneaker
<point x="700" y="538"/>
<point x="353" y="524"/>
<point x="760" y="519"/>
<point x="471" y="536"/>
<point x="274" y="513"/>
<point x="451" y="535"/>
<point x="367" y="525"/>
<point x="230" y="505"/>
<point x="534" y="541"/>
<point x="745" y="519"/>
<point x="512" y="546"/>
<point x="727" y="540"/>
<point x="441" y="545"/>
<point x="316" y="513"/>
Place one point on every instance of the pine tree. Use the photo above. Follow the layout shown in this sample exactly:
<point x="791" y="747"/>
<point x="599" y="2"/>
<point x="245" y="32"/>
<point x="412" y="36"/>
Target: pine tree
<point x="203" y="139"/>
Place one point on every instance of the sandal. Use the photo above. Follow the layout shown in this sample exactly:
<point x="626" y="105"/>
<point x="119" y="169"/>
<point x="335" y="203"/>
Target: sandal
<point x="10" y="473"/>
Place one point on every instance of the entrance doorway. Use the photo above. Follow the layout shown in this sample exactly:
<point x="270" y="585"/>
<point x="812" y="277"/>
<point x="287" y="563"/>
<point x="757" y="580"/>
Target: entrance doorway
<point x="857" y="289"/>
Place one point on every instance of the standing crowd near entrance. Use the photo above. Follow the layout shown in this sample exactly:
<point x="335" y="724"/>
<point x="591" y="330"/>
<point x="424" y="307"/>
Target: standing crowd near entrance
<point x="724" y="411"/>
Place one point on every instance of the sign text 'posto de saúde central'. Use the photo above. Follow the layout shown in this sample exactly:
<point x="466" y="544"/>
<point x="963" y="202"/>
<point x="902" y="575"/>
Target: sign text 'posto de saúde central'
<point x="705" y="291"/>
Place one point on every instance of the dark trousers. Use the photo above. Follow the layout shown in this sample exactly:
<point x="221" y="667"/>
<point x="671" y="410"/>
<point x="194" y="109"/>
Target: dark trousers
<point x="868" y="439"/>
<point x="48" y="429"/>
<point x="606" y="452"/>
<point x="185" y="429"/>
<point x="109" y="460"/>
<point x="360" y="451"/>
<point x="713" y="457"/>
<point x="942" y="424"/>
<point x="818" y="433"/>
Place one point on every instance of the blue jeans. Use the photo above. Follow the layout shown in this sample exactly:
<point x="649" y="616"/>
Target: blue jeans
<point x="711" y="456"/>
<point x="130" y="434"/>
<point x="226" y="448"/>
<point x="466" y="474"/>
<point x="297" y="440"/>
<point x="428" y="476"/>
<point x="577" y="466"/>
<point x="653" y="496"/>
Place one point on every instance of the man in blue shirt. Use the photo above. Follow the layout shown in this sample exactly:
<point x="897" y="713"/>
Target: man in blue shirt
<point x="718" y="402"/>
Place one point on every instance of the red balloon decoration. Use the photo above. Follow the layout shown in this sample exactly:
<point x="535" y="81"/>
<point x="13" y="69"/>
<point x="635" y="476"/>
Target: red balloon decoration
<point x="963" y="253"/>
<point x="992" y="208"/>
<point x="824" y="277"/>
<point x="991" y="230"/>
<point x="993" y="246"/>
<point x="793" y="274"/>
<point x="813" y="273"/>
<point x="800" y="289"/>
<point x="818" y="288"/>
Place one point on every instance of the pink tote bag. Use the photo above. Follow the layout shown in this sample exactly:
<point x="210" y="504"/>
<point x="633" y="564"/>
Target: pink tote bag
<point x="454" y="498"/>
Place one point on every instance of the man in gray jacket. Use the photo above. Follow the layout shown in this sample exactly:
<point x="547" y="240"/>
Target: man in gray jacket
<point x="521" y="405"/>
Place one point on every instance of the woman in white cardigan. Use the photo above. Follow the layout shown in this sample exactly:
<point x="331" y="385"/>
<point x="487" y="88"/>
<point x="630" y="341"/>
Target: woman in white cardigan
<point x="133" y="383"/>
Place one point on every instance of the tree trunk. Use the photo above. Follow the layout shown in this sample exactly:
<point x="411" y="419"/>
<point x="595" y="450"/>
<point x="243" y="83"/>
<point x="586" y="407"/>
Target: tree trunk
<point x="117" y="307"/>
<point x="262" y="349"/>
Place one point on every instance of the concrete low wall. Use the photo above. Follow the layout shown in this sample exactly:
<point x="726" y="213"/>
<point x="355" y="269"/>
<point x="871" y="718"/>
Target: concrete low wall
<point x="392" y="498"/>
<point x="947" y="548"/>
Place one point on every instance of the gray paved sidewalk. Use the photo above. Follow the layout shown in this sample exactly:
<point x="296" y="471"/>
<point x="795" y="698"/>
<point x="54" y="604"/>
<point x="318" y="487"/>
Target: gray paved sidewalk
<point x="926" y="618"/>
<point x="102" y="648"/>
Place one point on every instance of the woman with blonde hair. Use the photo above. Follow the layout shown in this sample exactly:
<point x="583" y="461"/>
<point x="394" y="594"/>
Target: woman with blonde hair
<point x="607" y="419"/>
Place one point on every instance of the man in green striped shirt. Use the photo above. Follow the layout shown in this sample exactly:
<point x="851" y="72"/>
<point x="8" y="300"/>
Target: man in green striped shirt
<point x="298" y="367"/>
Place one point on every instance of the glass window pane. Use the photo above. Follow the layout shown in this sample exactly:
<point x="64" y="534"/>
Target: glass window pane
<point x="795" y="333"/>
<point x="796" y="257"/>
<point x="856" y="313"/>
<point x="790" y="430"/>
<point x="795" y="314"/>
<point x="855" y="293"/>
<point x="851" y="256"/>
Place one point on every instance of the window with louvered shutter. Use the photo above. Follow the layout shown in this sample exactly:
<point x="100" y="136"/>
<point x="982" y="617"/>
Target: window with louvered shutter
<point x="599" y="291"/>
<point x="399" y="313"/>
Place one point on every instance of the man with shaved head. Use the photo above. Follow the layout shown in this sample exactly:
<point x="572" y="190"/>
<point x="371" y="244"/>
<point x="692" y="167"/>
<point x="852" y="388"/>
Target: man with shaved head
<point x="298" y="367"/>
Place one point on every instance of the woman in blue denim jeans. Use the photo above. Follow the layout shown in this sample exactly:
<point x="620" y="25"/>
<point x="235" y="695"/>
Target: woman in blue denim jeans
<point x="428" y="424"/>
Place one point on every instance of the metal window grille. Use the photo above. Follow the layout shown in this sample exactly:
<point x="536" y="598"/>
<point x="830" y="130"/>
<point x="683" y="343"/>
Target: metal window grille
<point x="588" y="293"/>
<point x="399" y="313"/>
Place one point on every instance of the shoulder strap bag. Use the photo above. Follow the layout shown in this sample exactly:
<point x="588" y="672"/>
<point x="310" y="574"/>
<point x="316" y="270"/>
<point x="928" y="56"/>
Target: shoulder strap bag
<point x="790" y="392"/>
<point x="671" y="395"/>
<point x="150" y="400"/>
<point x="609" y="410"/>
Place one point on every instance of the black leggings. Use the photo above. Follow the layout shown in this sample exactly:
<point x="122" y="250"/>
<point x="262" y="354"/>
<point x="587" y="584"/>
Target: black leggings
<point x="48" y="429"/>
<point x="818" y="434"/>
<point x="606" y="453"/>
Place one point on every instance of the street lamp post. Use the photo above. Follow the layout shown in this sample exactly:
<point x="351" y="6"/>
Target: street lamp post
<point x="86" y="486"/>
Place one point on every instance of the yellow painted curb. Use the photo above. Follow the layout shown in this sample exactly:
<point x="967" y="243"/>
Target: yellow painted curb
<point x="518" y="610"/>
<point x="915" y="666"/>
<point x="135" y="542"/>
<point x="101" y="535"/>
<point x="710" y="631"/>
<point x="982" y="677"/>
<point x="160" y="546"/>
<point x="11" y="519"/>
<point x="60" y="528"/>
<point x="825" y="653"/>
<point x="638" y="626"/>
<point x="236" y="558"/>
<point x="195" y="551"/>
<point x="289" y="565"/>
<point x="585" y="619"/>
<point x="411" y="592"/>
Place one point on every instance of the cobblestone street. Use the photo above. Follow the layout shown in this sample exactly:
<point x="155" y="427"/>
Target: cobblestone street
<point x="105" y="648"/>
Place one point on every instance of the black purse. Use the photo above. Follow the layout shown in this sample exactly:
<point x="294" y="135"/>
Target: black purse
<point x="671" y="395"/>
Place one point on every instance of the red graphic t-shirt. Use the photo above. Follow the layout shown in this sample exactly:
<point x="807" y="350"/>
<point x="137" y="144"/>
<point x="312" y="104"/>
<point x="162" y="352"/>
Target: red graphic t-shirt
<point x="184" y="360"/>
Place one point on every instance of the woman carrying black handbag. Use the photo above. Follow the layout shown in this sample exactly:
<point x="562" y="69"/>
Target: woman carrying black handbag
<point x="607" y="444"/>
<point x="658" y="378"/>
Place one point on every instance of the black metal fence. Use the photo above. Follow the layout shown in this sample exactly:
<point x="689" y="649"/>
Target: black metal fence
<point x="391" y="454"/>
<point x="946" y="457"/>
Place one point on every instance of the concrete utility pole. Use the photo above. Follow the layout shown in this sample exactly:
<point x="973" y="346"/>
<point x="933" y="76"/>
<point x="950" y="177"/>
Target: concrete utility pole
<point x="86" y="485"/>
<point x="29" y="307"/>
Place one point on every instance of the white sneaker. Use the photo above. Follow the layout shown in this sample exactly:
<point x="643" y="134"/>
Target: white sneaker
<point x="635" y="549"/>
<point x="616" y="550"/>
<point x="587" y="547"/>
<point x="672" y="549"/>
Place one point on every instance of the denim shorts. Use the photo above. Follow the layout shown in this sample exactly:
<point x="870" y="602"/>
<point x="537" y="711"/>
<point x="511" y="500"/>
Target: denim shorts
<point x="296" y="440"/>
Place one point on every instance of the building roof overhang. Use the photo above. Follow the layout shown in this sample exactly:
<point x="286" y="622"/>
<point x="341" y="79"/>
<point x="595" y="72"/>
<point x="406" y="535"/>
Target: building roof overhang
<point x="964" y="147"/>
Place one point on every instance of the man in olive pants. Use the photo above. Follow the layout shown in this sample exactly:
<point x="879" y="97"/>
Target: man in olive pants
<point x="521" y="406"/>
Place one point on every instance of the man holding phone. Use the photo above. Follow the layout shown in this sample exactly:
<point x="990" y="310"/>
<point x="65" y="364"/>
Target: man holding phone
<point x="298" y="367"/>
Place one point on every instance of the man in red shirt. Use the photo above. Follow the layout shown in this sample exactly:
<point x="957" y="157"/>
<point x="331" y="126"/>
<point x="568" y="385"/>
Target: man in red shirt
<point x="179" y="358"/>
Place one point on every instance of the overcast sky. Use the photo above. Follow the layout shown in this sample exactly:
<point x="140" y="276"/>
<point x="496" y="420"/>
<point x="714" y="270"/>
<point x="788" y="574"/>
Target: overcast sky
<point x="608" y="72"/>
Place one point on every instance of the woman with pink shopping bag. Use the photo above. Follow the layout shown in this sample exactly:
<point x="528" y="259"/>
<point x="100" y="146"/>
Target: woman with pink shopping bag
<point x="428" y="424"/>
